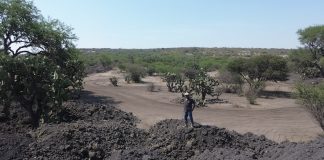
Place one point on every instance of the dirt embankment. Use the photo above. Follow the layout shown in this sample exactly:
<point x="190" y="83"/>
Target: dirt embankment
<point x="100" y="131"/>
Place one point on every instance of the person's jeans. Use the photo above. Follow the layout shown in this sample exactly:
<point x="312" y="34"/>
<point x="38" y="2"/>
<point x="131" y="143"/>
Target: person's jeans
<point x="188" y="113"/>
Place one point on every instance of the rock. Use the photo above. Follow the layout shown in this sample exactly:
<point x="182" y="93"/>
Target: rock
<point x="67" y="147"/>
<point x="92" y="155"/>
<point x="3" y="117"/>
<point x="189" y="144"/>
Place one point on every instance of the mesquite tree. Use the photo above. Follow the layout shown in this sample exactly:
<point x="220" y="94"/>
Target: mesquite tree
<point x="258" y="69"/>
<point x="38" y="64"/>
<point x="313" y="39"/>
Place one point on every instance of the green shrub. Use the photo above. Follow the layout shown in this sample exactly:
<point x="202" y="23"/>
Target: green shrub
<point x="150" y="71"/>
<point x="136" y="72"/>
<point x="312" y="97"/>
<point x="128" y="79"/>
<point x="257" y="70"/>
<point x="301" y="62"/>
<point x="38" y="84"/>
<point x="105" y="60"/>
<point x="122" y="66"/>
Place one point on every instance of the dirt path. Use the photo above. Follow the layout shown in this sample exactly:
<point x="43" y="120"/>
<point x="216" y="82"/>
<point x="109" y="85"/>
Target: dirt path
<point x="278" y="119"/>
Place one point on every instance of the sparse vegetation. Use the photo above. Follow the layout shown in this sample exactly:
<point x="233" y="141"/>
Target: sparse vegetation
<point x="41" y="73"/>
<point x="301" y="62"/>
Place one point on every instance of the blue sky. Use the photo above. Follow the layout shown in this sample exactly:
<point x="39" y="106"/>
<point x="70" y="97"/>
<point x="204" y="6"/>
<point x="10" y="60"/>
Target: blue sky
<point x="185" y="23"/>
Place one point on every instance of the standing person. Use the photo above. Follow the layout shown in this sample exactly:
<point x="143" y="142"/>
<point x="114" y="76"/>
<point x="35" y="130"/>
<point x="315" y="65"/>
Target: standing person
<point x="189" y="106"/>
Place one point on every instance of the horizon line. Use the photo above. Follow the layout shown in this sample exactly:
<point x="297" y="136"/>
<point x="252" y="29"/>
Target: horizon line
<point x="189" y="47"/>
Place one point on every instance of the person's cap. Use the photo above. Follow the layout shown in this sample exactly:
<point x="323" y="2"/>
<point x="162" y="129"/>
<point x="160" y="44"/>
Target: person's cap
<point x="186" y="94"/>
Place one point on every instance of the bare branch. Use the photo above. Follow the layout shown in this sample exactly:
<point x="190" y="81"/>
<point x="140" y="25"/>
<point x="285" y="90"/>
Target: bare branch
<point x="28" y="52"/>
<point x="22" y="47"/>
<point x="10" y="50"/>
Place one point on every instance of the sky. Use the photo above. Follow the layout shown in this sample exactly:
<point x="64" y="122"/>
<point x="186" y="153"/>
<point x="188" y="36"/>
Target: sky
<point x="185" y="23"/>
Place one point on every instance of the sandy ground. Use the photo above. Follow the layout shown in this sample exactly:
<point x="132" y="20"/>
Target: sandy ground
<point x="278" y="118"/>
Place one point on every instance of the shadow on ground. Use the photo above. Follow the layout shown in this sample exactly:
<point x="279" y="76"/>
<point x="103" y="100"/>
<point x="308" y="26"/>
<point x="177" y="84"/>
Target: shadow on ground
<point x="216" y="101"/>
<point x="91" y="97"/>
<point x="275" y="94"/>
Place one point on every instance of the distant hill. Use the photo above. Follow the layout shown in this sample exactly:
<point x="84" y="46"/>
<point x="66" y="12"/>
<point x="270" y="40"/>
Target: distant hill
<point x="193" y="50"/>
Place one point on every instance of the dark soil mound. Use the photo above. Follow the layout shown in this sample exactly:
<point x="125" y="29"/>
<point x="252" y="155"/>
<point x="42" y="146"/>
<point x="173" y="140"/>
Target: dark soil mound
<point x="83" y="140"/>
<point x="12" y="145"/>
<point x="96" y="112"/>
<point x="14" y="137"/>
<point x="169" y="139"/>
<point x="100" y="131"/>
<point x="297" y="151"/>
<point x="225" y="154"/>
<point x="17" y="122"/>
<point x="89" y="131"/>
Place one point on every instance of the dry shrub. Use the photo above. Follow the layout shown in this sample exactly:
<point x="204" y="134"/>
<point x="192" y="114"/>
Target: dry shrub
<point x="114" y="81"/>
<point x="231" y="82"/>
<point x="153" y="88"/>
<point x="253" y="91"/>
<point x="218" y="91"/>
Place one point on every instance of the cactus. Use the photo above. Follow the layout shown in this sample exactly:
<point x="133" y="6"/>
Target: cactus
<point x="200" y="84"/>
<point x="203" y="85"/>
<point x="175" y="82"/>
<point x="180" y="83"/>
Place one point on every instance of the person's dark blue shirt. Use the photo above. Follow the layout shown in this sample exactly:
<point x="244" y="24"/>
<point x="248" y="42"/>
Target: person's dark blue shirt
<point x="189" y="104"/>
